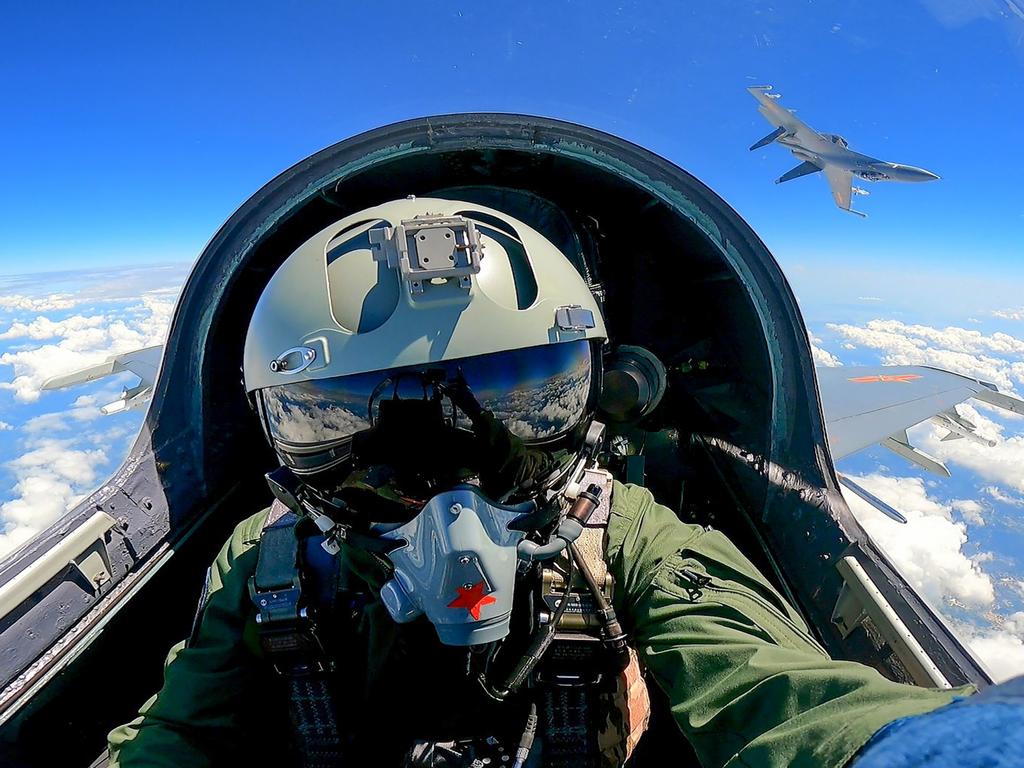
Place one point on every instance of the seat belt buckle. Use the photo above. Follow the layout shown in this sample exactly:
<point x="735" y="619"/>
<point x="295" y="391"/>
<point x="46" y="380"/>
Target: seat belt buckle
<point x="287" y="631"/>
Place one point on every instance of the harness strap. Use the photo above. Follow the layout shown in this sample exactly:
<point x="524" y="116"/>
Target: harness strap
<point x="568" y="741"/>
<point x="288" y="634"/>
<point x="314" y="723"/>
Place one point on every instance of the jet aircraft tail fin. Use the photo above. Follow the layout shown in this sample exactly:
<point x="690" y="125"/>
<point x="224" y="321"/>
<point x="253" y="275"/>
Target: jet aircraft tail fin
<point x="768" y="139"/>
<point x="803" y="169"/>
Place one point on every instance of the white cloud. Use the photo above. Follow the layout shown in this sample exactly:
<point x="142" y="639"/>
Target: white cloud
<point x="49" y="479"/>
<point x="996" y="357"/>
<point x="80" y="341"/>
<point x="64" y="452"/>
<point x="52" y="291"/>
<point x="822" y="356"/>
<point x="5" y="427"/>
<point x="970" y="510"/>
<point x="869" y="298"/>
<point x="1000" y="648"/>
<point x="48" y="303"/>
<point x="45" y="328"/>
<point x="928" y="550"/>
<point x="998" y="494"/>
<point x="1009" y="314"/>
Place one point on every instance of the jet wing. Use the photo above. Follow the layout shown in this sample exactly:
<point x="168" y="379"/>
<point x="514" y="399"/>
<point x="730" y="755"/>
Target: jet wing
<point x="841" y="182"/>
<point x="144" y="363"/>
<point x="778" y="115"/>
<point x="867" y="405"/>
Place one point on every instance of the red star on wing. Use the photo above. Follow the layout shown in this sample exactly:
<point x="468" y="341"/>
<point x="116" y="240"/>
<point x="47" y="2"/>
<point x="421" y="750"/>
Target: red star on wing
<point x="472" y="599"/>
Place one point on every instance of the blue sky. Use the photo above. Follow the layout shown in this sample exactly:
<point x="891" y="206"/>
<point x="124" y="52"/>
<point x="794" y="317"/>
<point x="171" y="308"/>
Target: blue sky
<point x="133" y="130"/>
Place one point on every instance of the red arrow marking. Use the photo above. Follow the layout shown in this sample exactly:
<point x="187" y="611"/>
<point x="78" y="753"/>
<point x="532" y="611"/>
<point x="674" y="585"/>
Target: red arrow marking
<point x="472" y="599"/>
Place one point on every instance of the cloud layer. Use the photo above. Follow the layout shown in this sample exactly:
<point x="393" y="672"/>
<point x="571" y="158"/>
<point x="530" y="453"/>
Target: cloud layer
<point x="80" y="340"/>
<point x="57" y="446"/>
<point x="934" y="550"/>
<point x="929" y="548"/>
<point x="996" y="357"/>
<point x="929" y="552"/>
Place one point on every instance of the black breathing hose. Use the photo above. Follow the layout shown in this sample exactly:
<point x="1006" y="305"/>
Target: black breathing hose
<point x="541" y="642"/>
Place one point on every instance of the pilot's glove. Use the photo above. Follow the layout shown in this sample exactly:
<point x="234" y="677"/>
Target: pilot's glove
<point x="984" y="730"/>
<point x="458" y="392"/>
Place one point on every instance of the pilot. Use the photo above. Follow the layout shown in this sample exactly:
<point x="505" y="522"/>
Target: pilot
<point x="448" y="575"/>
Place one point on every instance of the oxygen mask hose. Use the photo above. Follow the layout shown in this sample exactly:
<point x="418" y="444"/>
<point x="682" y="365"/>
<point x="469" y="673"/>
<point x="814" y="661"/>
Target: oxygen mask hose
<point x="569" y="529"/>
<point x="541" y="642"/>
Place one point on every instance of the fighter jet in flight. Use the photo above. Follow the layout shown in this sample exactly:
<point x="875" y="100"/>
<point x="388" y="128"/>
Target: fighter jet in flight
<point x="826" y="152"/>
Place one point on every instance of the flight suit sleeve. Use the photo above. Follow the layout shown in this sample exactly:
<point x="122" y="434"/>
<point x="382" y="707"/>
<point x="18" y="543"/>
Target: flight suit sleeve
<point x="195" y="719"/>
<point x="747" y="683"/>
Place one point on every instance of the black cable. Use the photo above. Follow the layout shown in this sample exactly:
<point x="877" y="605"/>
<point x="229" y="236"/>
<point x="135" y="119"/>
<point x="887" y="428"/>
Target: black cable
<point x="529" y="733"/>
<point x="542" y="641"/>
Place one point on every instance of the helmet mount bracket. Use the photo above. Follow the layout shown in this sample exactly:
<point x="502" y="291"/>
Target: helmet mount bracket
<point x="428" y="248"/>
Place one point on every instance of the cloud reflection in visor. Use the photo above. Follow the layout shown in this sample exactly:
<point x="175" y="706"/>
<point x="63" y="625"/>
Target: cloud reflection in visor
<point x="539" y="393"/>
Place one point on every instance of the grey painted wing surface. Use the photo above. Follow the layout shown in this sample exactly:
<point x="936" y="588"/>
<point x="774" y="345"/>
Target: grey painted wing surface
<point x="865" y="405"/>
<point x="778" y="115"/>
<point x="841" y="182"/>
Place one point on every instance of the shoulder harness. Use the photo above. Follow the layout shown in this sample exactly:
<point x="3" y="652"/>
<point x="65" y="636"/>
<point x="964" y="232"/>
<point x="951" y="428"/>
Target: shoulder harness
<point x="293" y="578"/>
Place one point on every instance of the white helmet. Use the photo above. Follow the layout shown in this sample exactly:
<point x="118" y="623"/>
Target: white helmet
<point x="420" y="285"/>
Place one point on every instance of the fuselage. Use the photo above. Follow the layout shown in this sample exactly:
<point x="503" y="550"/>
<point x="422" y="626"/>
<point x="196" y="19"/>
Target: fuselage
<point x="828" y="149"/>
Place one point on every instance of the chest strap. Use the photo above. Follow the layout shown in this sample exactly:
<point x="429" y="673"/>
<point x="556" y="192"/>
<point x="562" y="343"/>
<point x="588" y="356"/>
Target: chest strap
<point x="290" y="639"/>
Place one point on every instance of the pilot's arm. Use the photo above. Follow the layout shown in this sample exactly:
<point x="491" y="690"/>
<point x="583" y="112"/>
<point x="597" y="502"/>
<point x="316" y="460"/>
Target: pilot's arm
<point x="200" y="716"/>
<point x="747" y="683"/>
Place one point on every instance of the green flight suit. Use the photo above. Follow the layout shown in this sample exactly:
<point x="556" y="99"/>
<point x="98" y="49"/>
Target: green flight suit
<point x="747" y="683"/>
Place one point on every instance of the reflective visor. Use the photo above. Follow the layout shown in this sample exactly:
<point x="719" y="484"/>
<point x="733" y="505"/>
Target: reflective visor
<point x="539" y="393"/>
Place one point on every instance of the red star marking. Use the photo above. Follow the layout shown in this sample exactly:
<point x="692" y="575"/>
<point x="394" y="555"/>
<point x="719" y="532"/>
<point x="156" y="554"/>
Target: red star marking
<point x="903" y="378"/>
<point x="472" y="599"/>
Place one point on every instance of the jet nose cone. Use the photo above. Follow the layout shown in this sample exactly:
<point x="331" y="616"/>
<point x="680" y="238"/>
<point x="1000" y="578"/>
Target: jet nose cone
<point x="910" y="173"/>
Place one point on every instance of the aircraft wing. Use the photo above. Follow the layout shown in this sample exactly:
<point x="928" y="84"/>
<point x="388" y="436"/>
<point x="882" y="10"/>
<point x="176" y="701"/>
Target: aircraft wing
<point x="144" y="363"/>
<point x="777" y="115"/>
<point x="841" y="182"/>
<point x="867" y="405"/>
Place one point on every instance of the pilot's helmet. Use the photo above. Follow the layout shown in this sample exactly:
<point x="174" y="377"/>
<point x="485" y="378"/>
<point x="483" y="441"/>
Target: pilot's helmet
<point x="395" y="315"/>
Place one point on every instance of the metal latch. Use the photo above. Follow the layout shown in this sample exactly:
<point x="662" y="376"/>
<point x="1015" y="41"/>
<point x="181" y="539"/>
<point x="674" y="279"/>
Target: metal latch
<point x="287" y="632"/>
<point x="573" y="317"/>
<point x="427" y="248"/>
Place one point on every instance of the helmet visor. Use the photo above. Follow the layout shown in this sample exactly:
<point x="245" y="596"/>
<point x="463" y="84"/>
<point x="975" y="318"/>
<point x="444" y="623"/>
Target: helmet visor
<point x="539" y="393"/>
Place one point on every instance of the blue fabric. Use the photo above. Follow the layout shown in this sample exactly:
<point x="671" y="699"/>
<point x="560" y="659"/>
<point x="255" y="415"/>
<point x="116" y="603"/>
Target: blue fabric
<point x="983" y="731"/>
